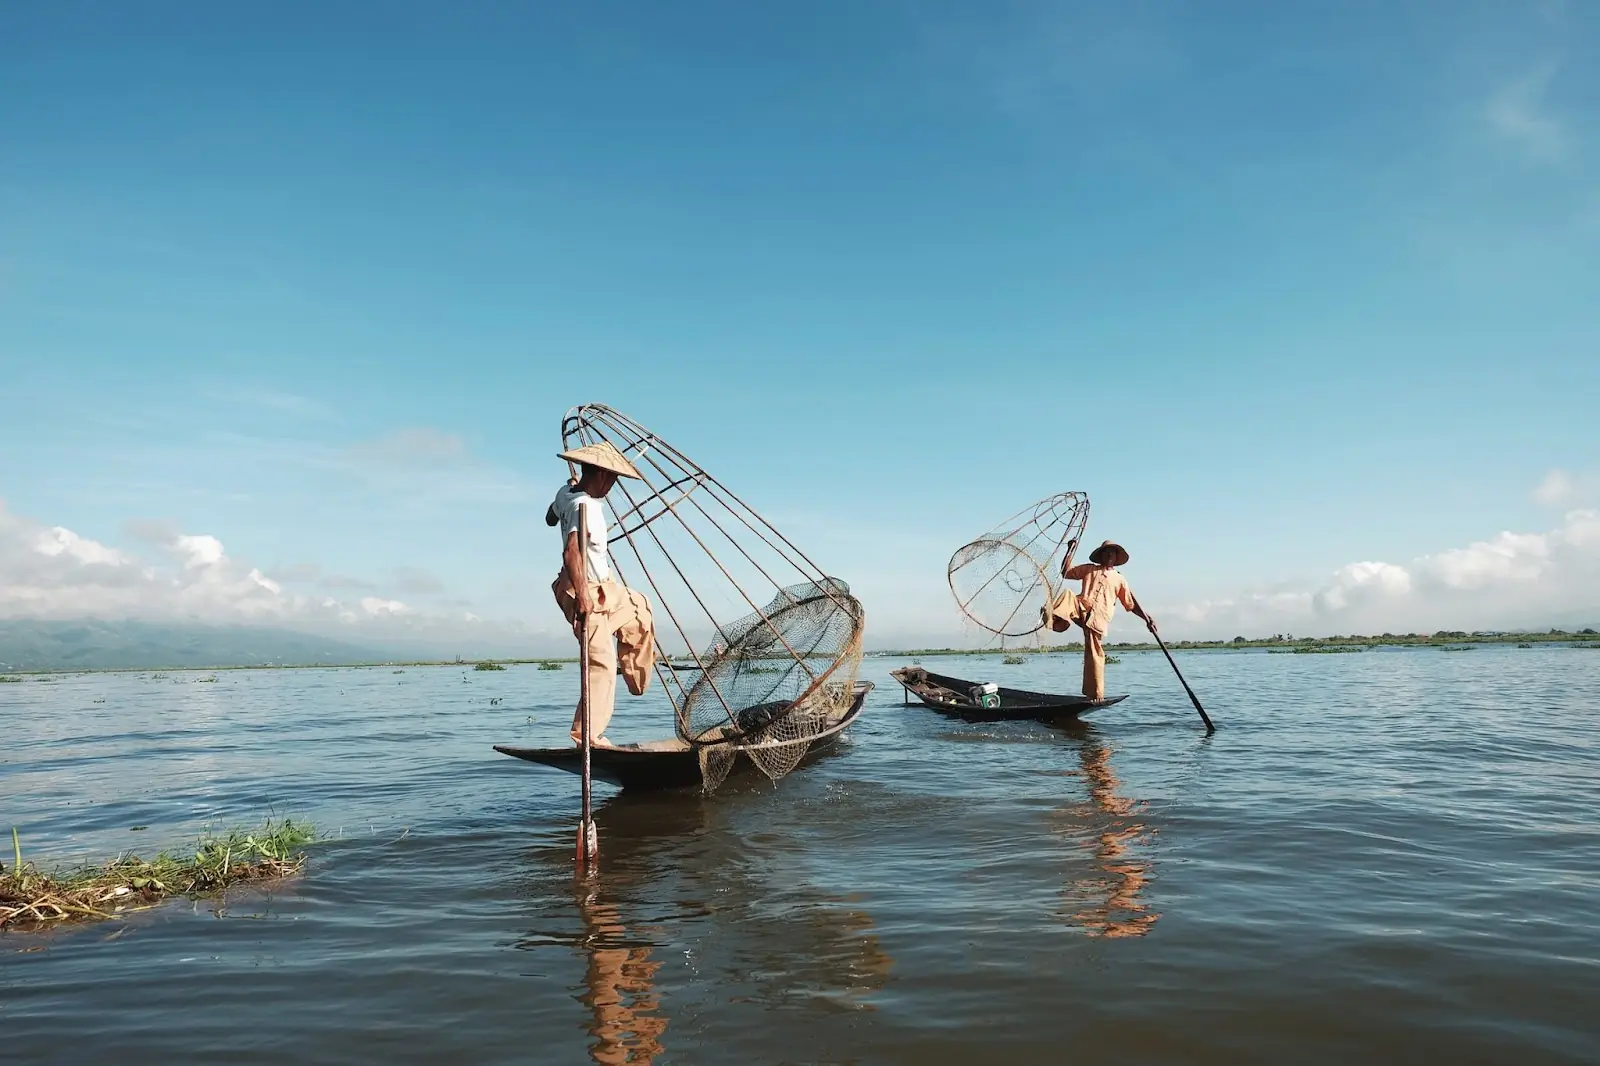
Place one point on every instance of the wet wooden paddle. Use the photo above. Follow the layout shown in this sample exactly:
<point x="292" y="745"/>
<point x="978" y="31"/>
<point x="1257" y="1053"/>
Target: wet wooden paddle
<point x="1204" y="717"/>
<point x="588" y="847"/>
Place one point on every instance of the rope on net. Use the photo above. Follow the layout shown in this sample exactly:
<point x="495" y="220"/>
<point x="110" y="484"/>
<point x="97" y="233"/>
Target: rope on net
<point x="773" y="643"/>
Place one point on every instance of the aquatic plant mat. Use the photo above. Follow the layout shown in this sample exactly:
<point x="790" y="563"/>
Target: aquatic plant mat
<point x="30" y="898"/>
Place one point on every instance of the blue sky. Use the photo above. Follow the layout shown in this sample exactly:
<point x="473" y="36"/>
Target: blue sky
<point x="1285" y="288"/>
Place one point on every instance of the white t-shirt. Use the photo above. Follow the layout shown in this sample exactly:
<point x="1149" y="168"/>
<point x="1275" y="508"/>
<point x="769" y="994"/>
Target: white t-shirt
<point x="567" y="502"/>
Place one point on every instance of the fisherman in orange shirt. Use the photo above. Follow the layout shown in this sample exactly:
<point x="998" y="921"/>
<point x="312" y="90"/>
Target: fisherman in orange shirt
<point x="1103" y="589"/>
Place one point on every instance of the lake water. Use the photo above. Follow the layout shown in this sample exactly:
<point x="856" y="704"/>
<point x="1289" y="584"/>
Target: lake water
<point x="1390" y="857"/>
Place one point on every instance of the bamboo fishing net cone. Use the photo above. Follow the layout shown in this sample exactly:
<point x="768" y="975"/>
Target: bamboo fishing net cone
<point x="773" y="643"/>
<point x="1004" y="579"/>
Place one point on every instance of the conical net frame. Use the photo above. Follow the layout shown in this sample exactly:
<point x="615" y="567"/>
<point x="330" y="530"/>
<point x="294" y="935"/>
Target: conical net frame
<point x="1003" y="579"/>
<point x="773" y="643"/>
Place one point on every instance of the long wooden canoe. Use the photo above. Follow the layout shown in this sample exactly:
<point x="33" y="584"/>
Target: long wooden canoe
<point x="671" y="763"/>
<point x="951" y="696"/>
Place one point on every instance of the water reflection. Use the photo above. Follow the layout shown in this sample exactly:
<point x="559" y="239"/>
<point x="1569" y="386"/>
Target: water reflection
<point x="619" y="988"/>
<point x="688" y="896"/>
<point x="1106" y="899"/>
<point x="637" y="839"/>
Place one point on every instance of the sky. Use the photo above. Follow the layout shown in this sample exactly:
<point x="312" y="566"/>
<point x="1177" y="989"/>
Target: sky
<point x="294" y="297"/>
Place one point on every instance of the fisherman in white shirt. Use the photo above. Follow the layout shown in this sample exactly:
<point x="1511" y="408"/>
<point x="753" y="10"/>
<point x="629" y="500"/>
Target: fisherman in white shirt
<point x="584" y="588"/>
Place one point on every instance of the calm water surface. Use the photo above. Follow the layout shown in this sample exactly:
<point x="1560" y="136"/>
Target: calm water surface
<point x="1385" y="857"/>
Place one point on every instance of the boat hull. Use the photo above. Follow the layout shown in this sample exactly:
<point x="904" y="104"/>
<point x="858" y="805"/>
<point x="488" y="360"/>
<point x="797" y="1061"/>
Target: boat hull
<point x="947" y="695"/>
<point x="664" y="764"/>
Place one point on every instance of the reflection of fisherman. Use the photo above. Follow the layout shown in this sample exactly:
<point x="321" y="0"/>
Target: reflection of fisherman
<point x="584" y="588"/>
<point x="1123" y="913"/>
<point x="619" y="989"/>
<point x="1103" y="589"/>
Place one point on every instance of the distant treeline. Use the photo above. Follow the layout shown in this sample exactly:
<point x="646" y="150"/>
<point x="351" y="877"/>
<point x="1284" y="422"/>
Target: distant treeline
<point x="1284" y="641"/>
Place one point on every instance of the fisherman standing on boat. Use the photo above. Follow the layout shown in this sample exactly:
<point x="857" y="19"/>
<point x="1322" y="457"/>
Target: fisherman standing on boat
<point x="588" y="596"/>
<point x="1092" y="608"/>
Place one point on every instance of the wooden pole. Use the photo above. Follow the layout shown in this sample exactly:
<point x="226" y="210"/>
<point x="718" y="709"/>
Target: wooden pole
<point x="588" y="840"/>
<point x="1204" y="717"/>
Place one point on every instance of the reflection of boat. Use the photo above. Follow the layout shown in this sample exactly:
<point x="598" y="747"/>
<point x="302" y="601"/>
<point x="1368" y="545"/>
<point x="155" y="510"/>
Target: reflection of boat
<point x="952" y="695"/>
<point x="1107" y="901"/>
<point x="674" y="763"/>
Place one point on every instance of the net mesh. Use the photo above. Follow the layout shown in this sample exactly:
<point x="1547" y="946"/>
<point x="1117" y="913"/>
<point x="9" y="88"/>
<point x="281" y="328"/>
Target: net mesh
<point x="790" y="668"/>
<point x="1003" y="580"/>
<point x="761" y="648"/>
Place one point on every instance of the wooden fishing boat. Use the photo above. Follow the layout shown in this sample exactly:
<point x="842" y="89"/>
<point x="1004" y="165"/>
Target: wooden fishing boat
<point x="672" y="763"/>
<point x="953" y="695"/>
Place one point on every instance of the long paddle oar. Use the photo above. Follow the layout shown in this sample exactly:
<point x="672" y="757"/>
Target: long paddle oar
<point x="1204" y="717"/>
<point x="588" y="839"/>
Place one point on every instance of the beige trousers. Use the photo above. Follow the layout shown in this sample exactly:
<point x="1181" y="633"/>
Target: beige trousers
<point x="1094" y="665"/>
<point x="602" y="676"/>
<point x="602" y="645"/>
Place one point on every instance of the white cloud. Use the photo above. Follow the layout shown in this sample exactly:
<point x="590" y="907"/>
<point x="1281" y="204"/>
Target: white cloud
<point x="198" y="551"/>
<point x="1507" y="557"/>
<point x="1359" y="584"/>
<point x="54" y="572"/>
<point x="1563" y="489"/>
<point x="1516" y="113"/>
<point x="1509" y="581"/>
<point x="58" y="540"/>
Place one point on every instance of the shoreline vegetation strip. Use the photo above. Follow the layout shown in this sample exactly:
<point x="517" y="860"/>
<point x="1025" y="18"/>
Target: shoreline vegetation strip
<point x="31" y="898"/>
<point x="1584" y="638"/>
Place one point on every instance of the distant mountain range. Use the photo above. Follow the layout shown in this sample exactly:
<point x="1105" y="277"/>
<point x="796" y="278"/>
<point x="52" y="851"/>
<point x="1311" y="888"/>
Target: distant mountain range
<point x="33" y="644"/>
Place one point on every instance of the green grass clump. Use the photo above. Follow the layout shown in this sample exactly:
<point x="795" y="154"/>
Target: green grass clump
<point x="1112" y="660"/>
<point x="1013" y="660"/>
<point x="549" y="664"/>
<point x="8" y="680"/>
<point x="488" y="666"/>
<point x="1334" y="650"/>
<point x="30" y="897"/>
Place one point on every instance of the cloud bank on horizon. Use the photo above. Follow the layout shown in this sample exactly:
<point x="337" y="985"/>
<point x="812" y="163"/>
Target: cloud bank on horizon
<point x="1507" y="581"/>
<point x="56" y="573"/>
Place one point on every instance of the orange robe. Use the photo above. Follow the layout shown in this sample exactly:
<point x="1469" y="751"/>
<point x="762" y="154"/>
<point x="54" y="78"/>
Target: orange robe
<point x="1092" y="608"/>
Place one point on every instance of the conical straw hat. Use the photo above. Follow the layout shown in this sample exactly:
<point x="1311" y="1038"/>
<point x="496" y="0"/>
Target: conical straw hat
<point x="603" y="454"/>
<point x="1116" y="552"/>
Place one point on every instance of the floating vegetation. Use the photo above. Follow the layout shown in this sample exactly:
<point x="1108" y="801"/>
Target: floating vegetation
<point x="10" y="680"/>
<point x="549" y="664"/>
<point x="486" y="665"/>
<point x="1112" y="660"/>
<point x="30" y="897"/>
<point x="205" y="680"/>
<point x="1466" y="647"/>
<point x="1013" y="660"/>
<point x="1334" y="650"/>
<point x="1524" y="645"/>
<point x="397" y="671"/>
